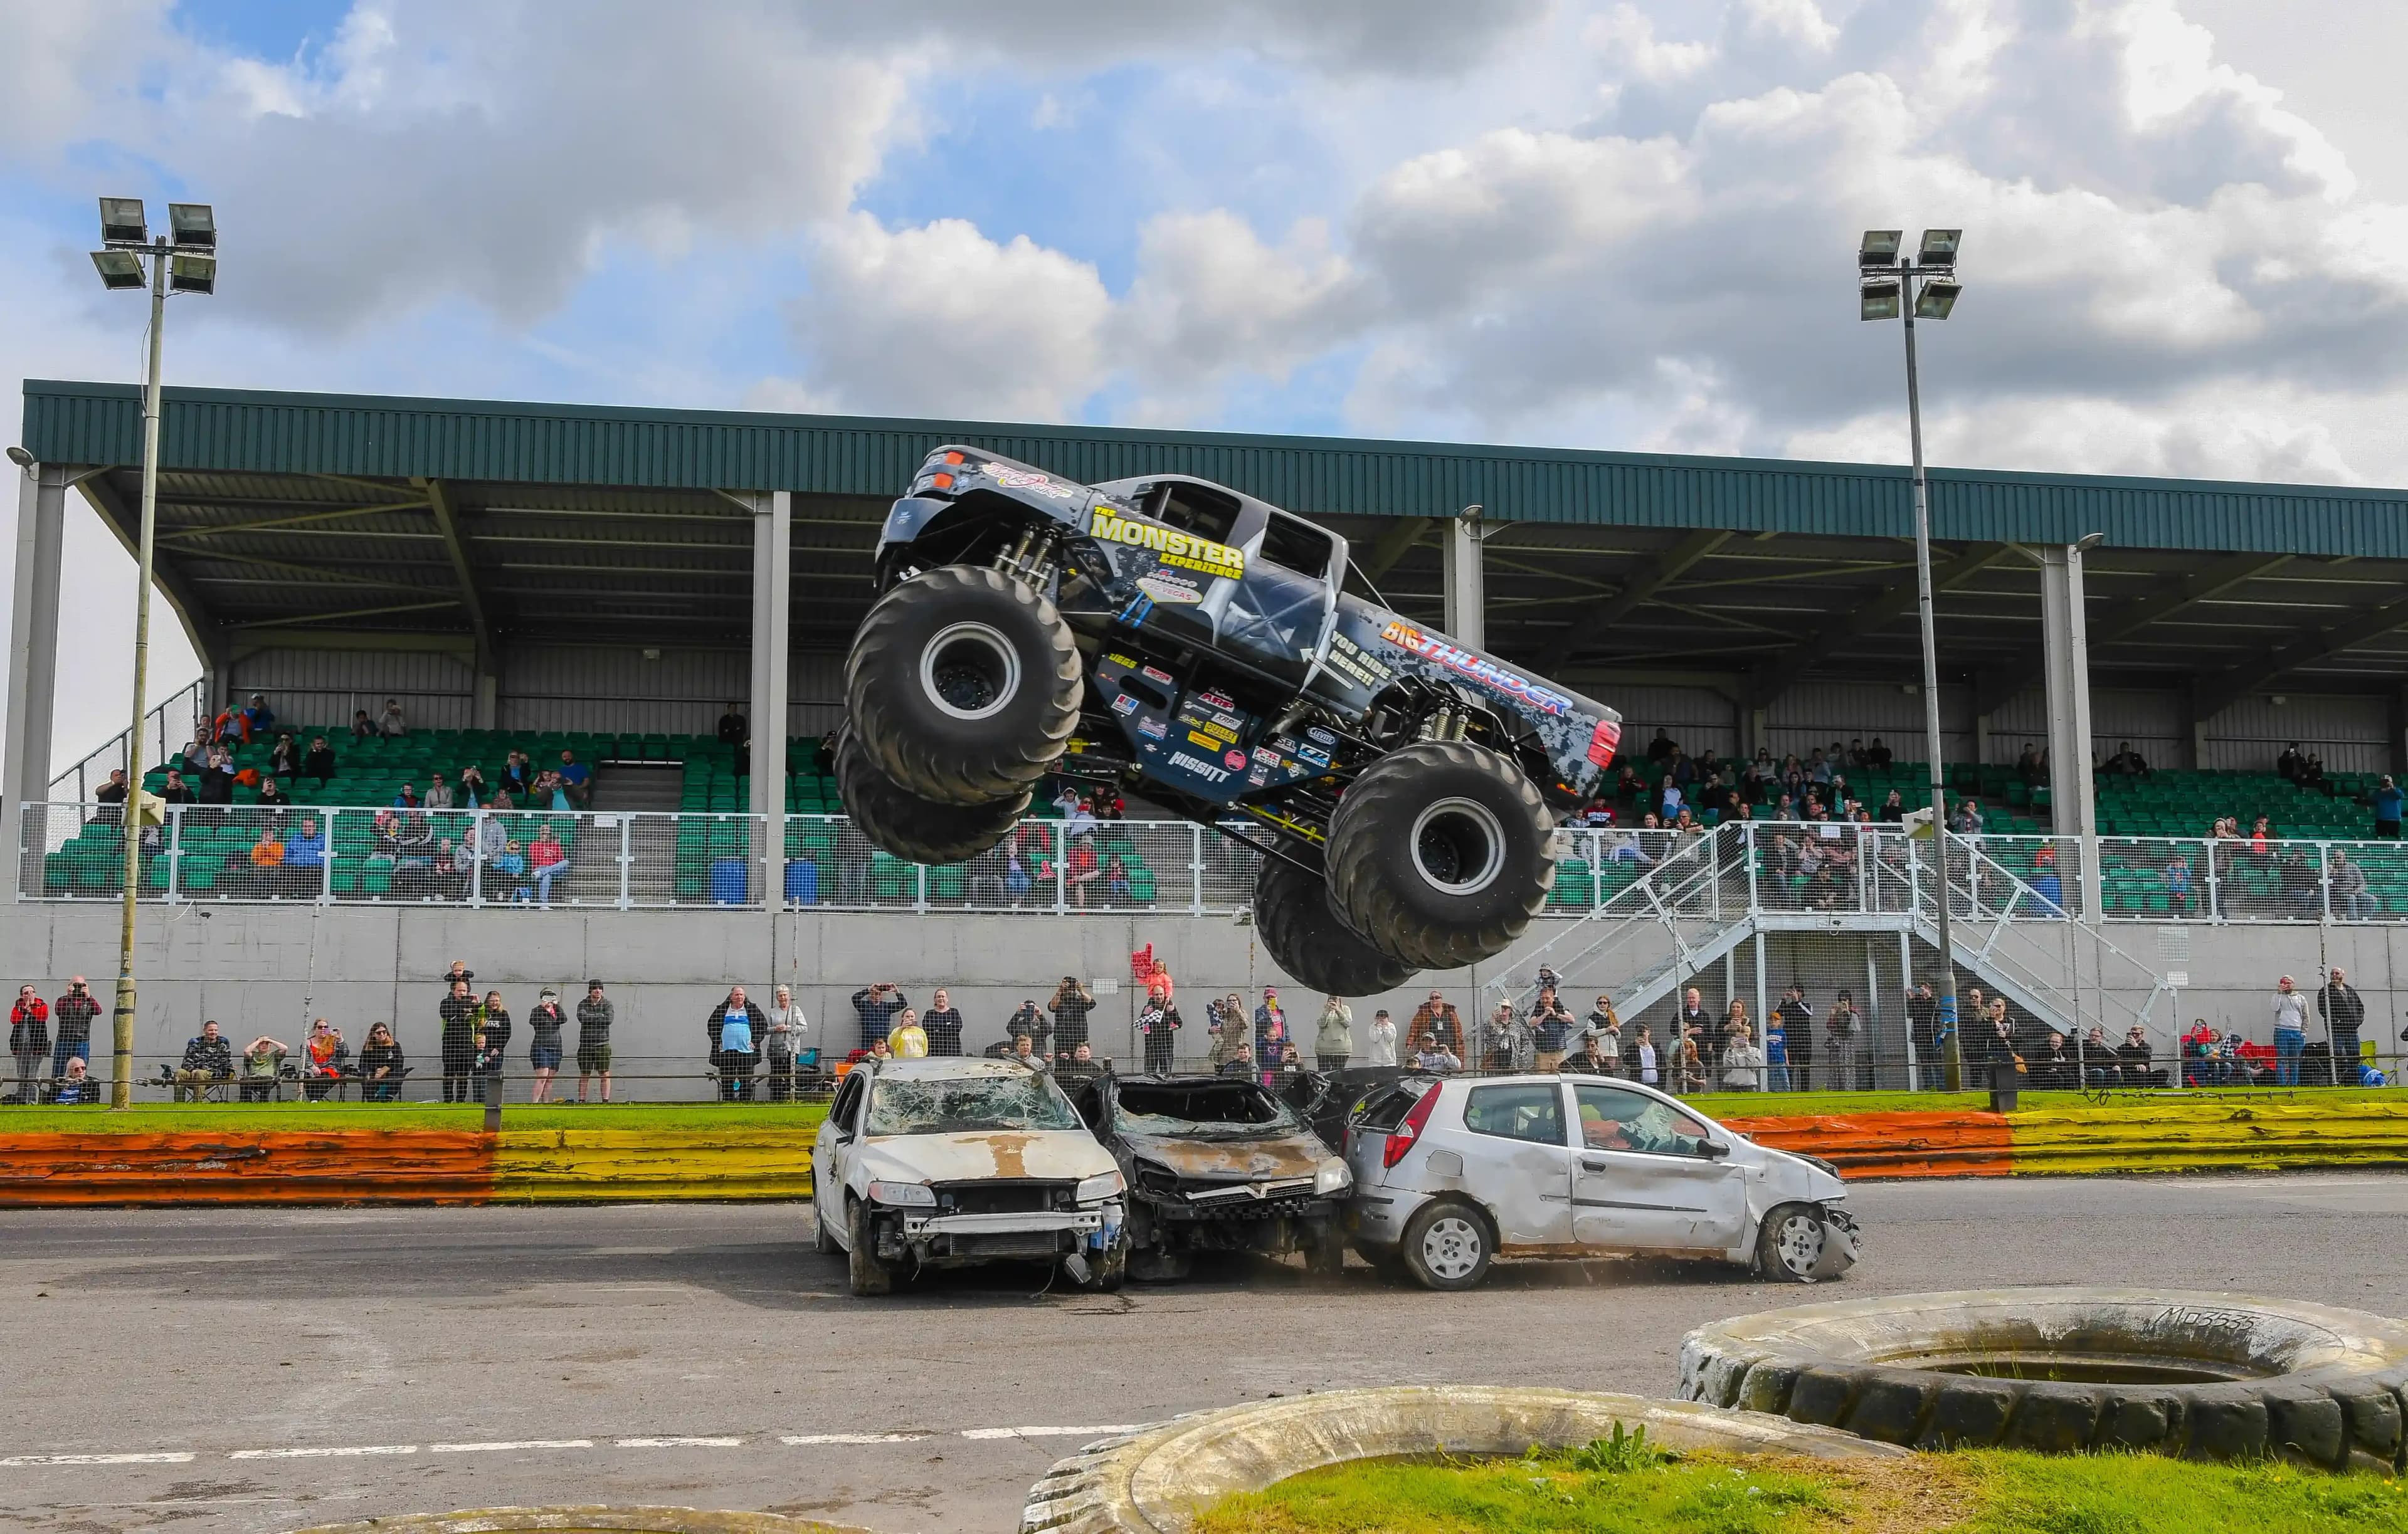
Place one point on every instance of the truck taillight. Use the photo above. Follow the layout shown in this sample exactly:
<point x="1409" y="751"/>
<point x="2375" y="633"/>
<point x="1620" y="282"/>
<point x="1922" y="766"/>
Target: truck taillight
<point x="1602" y="744"/>
<point x="1409" y="1129"/>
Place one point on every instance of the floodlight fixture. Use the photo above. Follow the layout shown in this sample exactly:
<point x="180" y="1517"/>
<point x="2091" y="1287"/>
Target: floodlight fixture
<point x="1938" y="248"/>
<point x="192" y="274"/>
<point x="1880" y="299"/>
<point x="122" y="222"/>
<point x="21" y="458"/>
<point x="196" y="227"/>
<point x="118" y="268"/>
<point x="1880" y="247"/>
<point x="1938" y="297"/>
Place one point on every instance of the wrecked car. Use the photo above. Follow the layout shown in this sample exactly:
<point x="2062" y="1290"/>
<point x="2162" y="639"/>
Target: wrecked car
<point x="950" y="1161"/>
<point x="1217" y="1164"/>
<point x="1324" y="1099"/>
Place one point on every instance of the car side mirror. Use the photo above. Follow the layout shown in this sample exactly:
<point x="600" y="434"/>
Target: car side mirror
<point x="1713" y="1150"/>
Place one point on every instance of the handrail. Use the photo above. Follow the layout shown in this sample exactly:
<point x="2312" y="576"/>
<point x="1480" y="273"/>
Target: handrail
<point x="185" y="703"/>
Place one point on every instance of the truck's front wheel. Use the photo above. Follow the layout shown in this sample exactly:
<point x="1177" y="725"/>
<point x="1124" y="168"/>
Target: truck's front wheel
<point x="1439" y="853"/>
<point x="964" y="685"/>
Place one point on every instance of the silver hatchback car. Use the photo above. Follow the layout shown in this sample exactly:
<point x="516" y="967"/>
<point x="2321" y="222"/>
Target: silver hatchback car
<point x="1452" y="1174"/>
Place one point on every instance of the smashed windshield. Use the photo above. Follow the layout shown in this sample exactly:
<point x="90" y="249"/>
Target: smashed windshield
<point x="1210" y="1109"/>
<point x="1026" y="1101"/>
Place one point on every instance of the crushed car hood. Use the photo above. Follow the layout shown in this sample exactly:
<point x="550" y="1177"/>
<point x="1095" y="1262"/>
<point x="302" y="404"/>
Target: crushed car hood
<point x="1047" y="1155"/>
<point x="1230" y="1161"/>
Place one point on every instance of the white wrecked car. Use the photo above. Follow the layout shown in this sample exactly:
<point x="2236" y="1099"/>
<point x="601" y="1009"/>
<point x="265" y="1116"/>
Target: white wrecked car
<point x="944" y="1162"/>
<point x="1452" y="1174"/>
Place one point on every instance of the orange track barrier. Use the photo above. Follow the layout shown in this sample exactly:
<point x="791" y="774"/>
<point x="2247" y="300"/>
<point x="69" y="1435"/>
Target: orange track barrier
<point x="1894" y="1144"/>
<point x="397" y="1166"/>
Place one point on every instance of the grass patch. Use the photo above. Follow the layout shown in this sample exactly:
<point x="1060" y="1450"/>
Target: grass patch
<point x="1606" y="1490"/>
<point x="1728" y="1105"/>
<point x="803" y="1118"/>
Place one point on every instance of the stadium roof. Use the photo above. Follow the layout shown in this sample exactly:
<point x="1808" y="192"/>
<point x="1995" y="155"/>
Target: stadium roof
<point x="302" y="519"/>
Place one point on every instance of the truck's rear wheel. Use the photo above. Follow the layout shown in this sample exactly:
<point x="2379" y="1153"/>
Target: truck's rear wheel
<point x="1439" y="853"/>
<point x="1302" y="934"/>
<point x="916" y="829"/>
<point x="963" y="684"/>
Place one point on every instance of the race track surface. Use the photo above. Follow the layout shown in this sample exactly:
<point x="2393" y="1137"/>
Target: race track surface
<point x="228" y="1371"/>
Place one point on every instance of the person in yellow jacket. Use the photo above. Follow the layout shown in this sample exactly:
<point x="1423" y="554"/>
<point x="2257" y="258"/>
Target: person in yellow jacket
<point x="907" y="1040"/>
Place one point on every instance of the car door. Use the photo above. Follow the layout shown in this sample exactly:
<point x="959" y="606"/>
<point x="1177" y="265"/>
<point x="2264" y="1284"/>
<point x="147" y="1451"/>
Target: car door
<point x="1516" y="1160"/>
<point x="832" y="1152"/>
<point x="1645" y="1175"/>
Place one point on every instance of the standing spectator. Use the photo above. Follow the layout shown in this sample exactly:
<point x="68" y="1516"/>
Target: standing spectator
<point x="381" y="1066"/>
<point x="1645" y="1065"/>
<point x="2386" y="801"/>
<point x="492" y="1042"/>
<point x="1383" y="1050"/>
<point x="1776" y="1053"/>
<point x="1550" y="1025"/>
<point x="734" y="729"/>
<point x="594" y="1018"/>
<point x="1797" y="1028"/>
<point x="390" y="723"/>
<point x="472" y="787"/>
<point x="1511" y="1045"/>
<point x="110" y="797"/>
<point x="2290" y="1032"/>
<point x="1028" y="1023"/>
<point x="1743" y="1063"/>
<point x="1602" y="1020"/>
<point x="1435" y="1020"/>
<point x="1159" y="1024"/>
<point x="319" y="762"/>
<point x="941" y="1022"/>
<point x="1224" y="1019"/>
<point x="2344" y="1013"/>
<point x="1070" y="1003"/>
<point x="544" y="1023"/>
<point x="909" y="1041"/>
<point x="29" y="1041"/>
<point x="458" y="1040"/>
<point x="263" y="1062"/>
<point x="208" y="1060"/>
<point x="1693" y="1021"/>
<point x="876" y="1007"/>
<point x="735" y="1064"/>
<point x="1842" y="1034"/>
<point x="784" y="1043"/>
<point x="1923" y="1023"/>
<point x="71" y="1018"/>
<point x="1270" y="1028"/>
<point x="1333" y="1038"/>
<point x="577" y="779"/>
<point x="363" y="728"/>
<point x="2178" y="883"/>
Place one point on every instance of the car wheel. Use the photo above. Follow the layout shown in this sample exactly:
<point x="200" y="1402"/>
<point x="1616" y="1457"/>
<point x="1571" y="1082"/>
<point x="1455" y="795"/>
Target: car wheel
<point x="964" y="685"/>
<point x="868" y="1275"/>
<point x="1154" y="1265"/>
<point x="1789" y="1245"/>
<point x="1439" y="853"/>
<point x="822" y="1242"/>
<point x="1448" y="1246"/>
<point x="1310" y="942"/>
<point x="916" y="829"/>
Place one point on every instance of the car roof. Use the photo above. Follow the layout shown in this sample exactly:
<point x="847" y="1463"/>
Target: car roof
<point x="950" y="1067"/>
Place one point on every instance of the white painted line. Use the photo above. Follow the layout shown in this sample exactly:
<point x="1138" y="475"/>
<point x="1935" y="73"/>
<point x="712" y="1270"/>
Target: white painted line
<point x="798" y="1440"/>
<point x="1050" y="1432"/>
<point x="347" y="1453"/>
<point x="505" y="1448"/>
<point x="681" y="1442"/>
<point x="178" y="1458"/>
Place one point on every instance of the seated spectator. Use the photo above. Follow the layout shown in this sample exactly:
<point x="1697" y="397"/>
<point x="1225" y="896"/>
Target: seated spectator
<point x="472" y="786"/>
<point x="2053" y="1071"/>
<point x="518" y="774"/>
<point x="306" y="853"/>
<point x="509" y="866"/>
<point x="577" y="779"/>
<point x="284" y="758"/>
<point x="407" y="798"/>
<point x="381" y="1066"/>
<point x="1081" y="818"/>
<point x="1079" y="1066"/>
<point x="2312" y="775"/>
<point x="387" y="850"/>
<point x="438" y="794"/>
<point x="1893" y="810"/>
<point x="2127" y="762"/>
<point x="1241" y="1060"/>
<point x="273" y="796"/>
<point x="263" y="1062"/>
<point x="319" y="762"/>
<point x="267" y="862"/>
<point x="77" y="1089"/>
<point x="1080" y="870"/>
<point x="2133" y="1060"/>
<point x="1117" y="887"/>
<point x="2352" y="896"/>
<point x="177" y="790"/>
<point x="325" y="1061"/>
<point x="2288" y="765"/>
<point x="208" y="1060"/>
<point x="547" y="860"/>
<point x="390" y="723"/>
<point x="363" y="728"/>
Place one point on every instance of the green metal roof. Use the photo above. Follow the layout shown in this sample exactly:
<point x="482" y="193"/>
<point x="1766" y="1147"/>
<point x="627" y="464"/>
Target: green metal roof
<point x="245" y="431"/>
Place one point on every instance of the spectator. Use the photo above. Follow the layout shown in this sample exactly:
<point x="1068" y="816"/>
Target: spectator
<point x="878" y="1050"/>
<point x="547" y="860"/>
<point x="492" y="1041"/>
<point x="1552" y="1025"/>
<point x="1743" y="1063"/>
<point x="518" y="774"/>
<point x="876" y="1007"/>
<point x="2350" y="890"/>
<point x="110" y="797"/>
<point x="2288" y="765"/>
<point x="783" y="1045"/>
<point x="510" y="868"/>
<point x="472" y="787"/>
<point x="732" y="1027"/>
<point x="1923" y="1022"/>
<point x="941" y="1022"/>
<point x="263" y="1064"/>
<point x="29" y="1041"/>
<point x="390" y="723"/>
<point x="2055" y="1071"/>
<point x="209" y="1061"/>
<point x="1080" y="869"/>
<point x="1588" y="1059"/>
<point x="1435" y="1020"/>
<point x="1028" y="1023"/>
<point x="1240" y="1062"/>
<point x="284" y="759"/>
<point x="363" y="728"/>
<point x="1117" y="888"/>
<point x="2290" y="1032"/>
<point x="577" y="779"/>
<point x="1158" y="1024"/>
<point x="439" y="792"/>
<point x="1688" y="1070"/>
<point x="177" y="790"/>
<point x="1842" y="1029"/>
<point x="1602" y="1020"/>
<point x="215" y="783"/>
<point x="2134" y="1059"/>
<point x="1070" y="1003"/>
<point x="381" y="1066"/>
<point x="258" y="719"/>
<point x="909" y="1041"/>
<point x="75" y="1087"/>
<point x="2097" y="1057"/>
<point x="2344" y="1014"/>
<point x="2127" y="762"/>
<point x="1283" y="1075"/>
<point x="1510" y="1046"/>
<point x="1333" y="1038"/>
<point x="457" y="1042"/>
<point x="272" y="796"/>
<point x="1998" y="1045"/>
<point x="1022" y="1049"/>
<point x="734" y="729"/>
<point x="1382" y="1046"/>
<point x="306" y="852"/>
<point x="1776" y="1053"/>
<point x="71" y="1018"/>
<point x="407" y="799"/>
<point x="594" y="1018"/>
<point x="324" y="1058"/>
<point x="319" y="762"/>
<point x="1647" y="1066"/>
<point x="1693" y="1020"/>
<point x="2178" y="883"/>
<point x="544" y="1022"/>
<point x="459" y="970"/>
<point x="1798" y="1029"/>
<point x="2386" y="801"/>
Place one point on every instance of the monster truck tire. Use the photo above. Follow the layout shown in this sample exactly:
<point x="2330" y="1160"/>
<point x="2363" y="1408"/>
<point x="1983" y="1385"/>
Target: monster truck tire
<point x="2207" y="1376"/>
<point x="964" y="685"/>
<point x="1439" y="853"/>
<point x="1304" y="936"/>
<point x="916" y="829"/>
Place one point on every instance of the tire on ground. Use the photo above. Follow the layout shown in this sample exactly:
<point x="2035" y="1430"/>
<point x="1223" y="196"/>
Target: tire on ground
<point x="1439" y="853"/>
<point x="1789" y="1244"/>
<point x="869" y="1275"/>
<point x="964" y="685"/>
<point x="916" y="829"/>
<point x="1306" y="938"/>
<point x="1448" y="1246"/>
<point x="2311" y="1383"/>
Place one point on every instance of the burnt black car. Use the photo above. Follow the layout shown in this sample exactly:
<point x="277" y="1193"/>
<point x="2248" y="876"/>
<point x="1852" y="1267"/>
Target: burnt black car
<point x="1216" y="1164"/>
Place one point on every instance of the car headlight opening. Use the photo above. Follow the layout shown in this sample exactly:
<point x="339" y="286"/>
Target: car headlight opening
<point x="1107" y="1185"/>
<point x="917" y="1195"/>
<point x="1331" y="1177"/>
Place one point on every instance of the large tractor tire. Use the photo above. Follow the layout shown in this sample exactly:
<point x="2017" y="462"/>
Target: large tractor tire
<point x="1302" y="934"/>
<point x="1439" y="854"/>
<point x="964" y="685"/>
<point x="916" y="829"/>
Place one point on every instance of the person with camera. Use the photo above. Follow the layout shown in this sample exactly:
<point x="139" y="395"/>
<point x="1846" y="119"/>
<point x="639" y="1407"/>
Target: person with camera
<point x="491" y="1041"/>
<point x="1071" y="1005"/>
<point x="71" y="1018"/>
<point x="876" y="1007"/>
<point x="29" y="1041"/>
<point x="544" y="1025"/>
<point x="457" y="1043"/>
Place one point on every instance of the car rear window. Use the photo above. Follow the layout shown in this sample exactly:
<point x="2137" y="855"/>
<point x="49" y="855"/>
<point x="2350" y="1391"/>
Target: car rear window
<point x="1385" y="1109"/>
<point x="1532" y="1111"/>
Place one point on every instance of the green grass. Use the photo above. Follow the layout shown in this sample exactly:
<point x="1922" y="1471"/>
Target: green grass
<point x="1786" y="1104"/>
<point x="1991" y="1492"/>
<point x="211" y="1117"/>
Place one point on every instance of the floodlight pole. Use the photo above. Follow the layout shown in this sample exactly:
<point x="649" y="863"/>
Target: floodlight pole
<point x="1951" y="1050"/>
<point x="120" y="1089"/>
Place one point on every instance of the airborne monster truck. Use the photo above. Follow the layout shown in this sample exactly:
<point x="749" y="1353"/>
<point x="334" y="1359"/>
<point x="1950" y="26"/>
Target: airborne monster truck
<point x="1194" y="646"/>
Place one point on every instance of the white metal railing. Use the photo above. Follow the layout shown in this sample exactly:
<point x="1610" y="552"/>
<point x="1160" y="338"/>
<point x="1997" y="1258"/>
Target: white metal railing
<point x="177" y="719"/>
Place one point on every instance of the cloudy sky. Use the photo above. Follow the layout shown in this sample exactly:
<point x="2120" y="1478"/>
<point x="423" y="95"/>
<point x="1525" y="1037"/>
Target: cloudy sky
<point x="1599" y="225"/>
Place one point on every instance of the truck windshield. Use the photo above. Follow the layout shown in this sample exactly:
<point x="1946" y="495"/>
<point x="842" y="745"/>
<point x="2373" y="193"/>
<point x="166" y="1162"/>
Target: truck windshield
<point x="1220" y="1110"/>
<point x="969" y="1103"/>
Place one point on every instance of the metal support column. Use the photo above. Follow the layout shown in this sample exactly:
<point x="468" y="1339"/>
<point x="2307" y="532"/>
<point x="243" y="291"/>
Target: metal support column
<point x="773" y="523"/>
<point x="1465" y="595"/>
<point x="33" y="657"/>
<point x="2072" y="802"/>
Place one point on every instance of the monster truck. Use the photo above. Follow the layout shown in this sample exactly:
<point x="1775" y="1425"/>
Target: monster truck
<point x="1196" y="648"/>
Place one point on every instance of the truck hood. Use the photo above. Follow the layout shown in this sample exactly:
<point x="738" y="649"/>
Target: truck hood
<point x="1046" y="1155"/>
<point x="1217" y="1160"/>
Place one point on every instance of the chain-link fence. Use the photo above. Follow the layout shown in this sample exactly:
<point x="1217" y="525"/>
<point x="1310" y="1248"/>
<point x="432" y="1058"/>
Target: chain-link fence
<point x="176" y="720"/>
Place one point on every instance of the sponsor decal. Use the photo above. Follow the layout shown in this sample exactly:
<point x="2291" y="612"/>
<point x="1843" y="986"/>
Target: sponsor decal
<point x="1487" y="672"/>
<point x="1236" y="759"/>
<point x="1183" y="549"/>
<point x="1266" y="757"/>
<point x="1318" y="759"/>
<point x="1125" y="703"/>
<point x="1319" y="736"/>
<point x="1228" y="721"/>
<point x="1202" y="769"/>
<point x="1214" y="700"/>
<point x="1028" y="479"/>
<point x="1281" y="743"/>
<point x="1219" y="735"/>
<point x="1197" y="737"/>
<point x="1152" y="675"/>
<point x="1259" y="776"/>
<point x="1115" y="659"/>
<point x="1350" y="660"/>
<point x="1152" y="728"/>
<point x="1165" y="587"/>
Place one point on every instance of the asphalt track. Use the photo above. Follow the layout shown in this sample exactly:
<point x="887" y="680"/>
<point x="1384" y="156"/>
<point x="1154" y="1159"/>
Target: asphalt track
<point x="267" y="1370"/>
